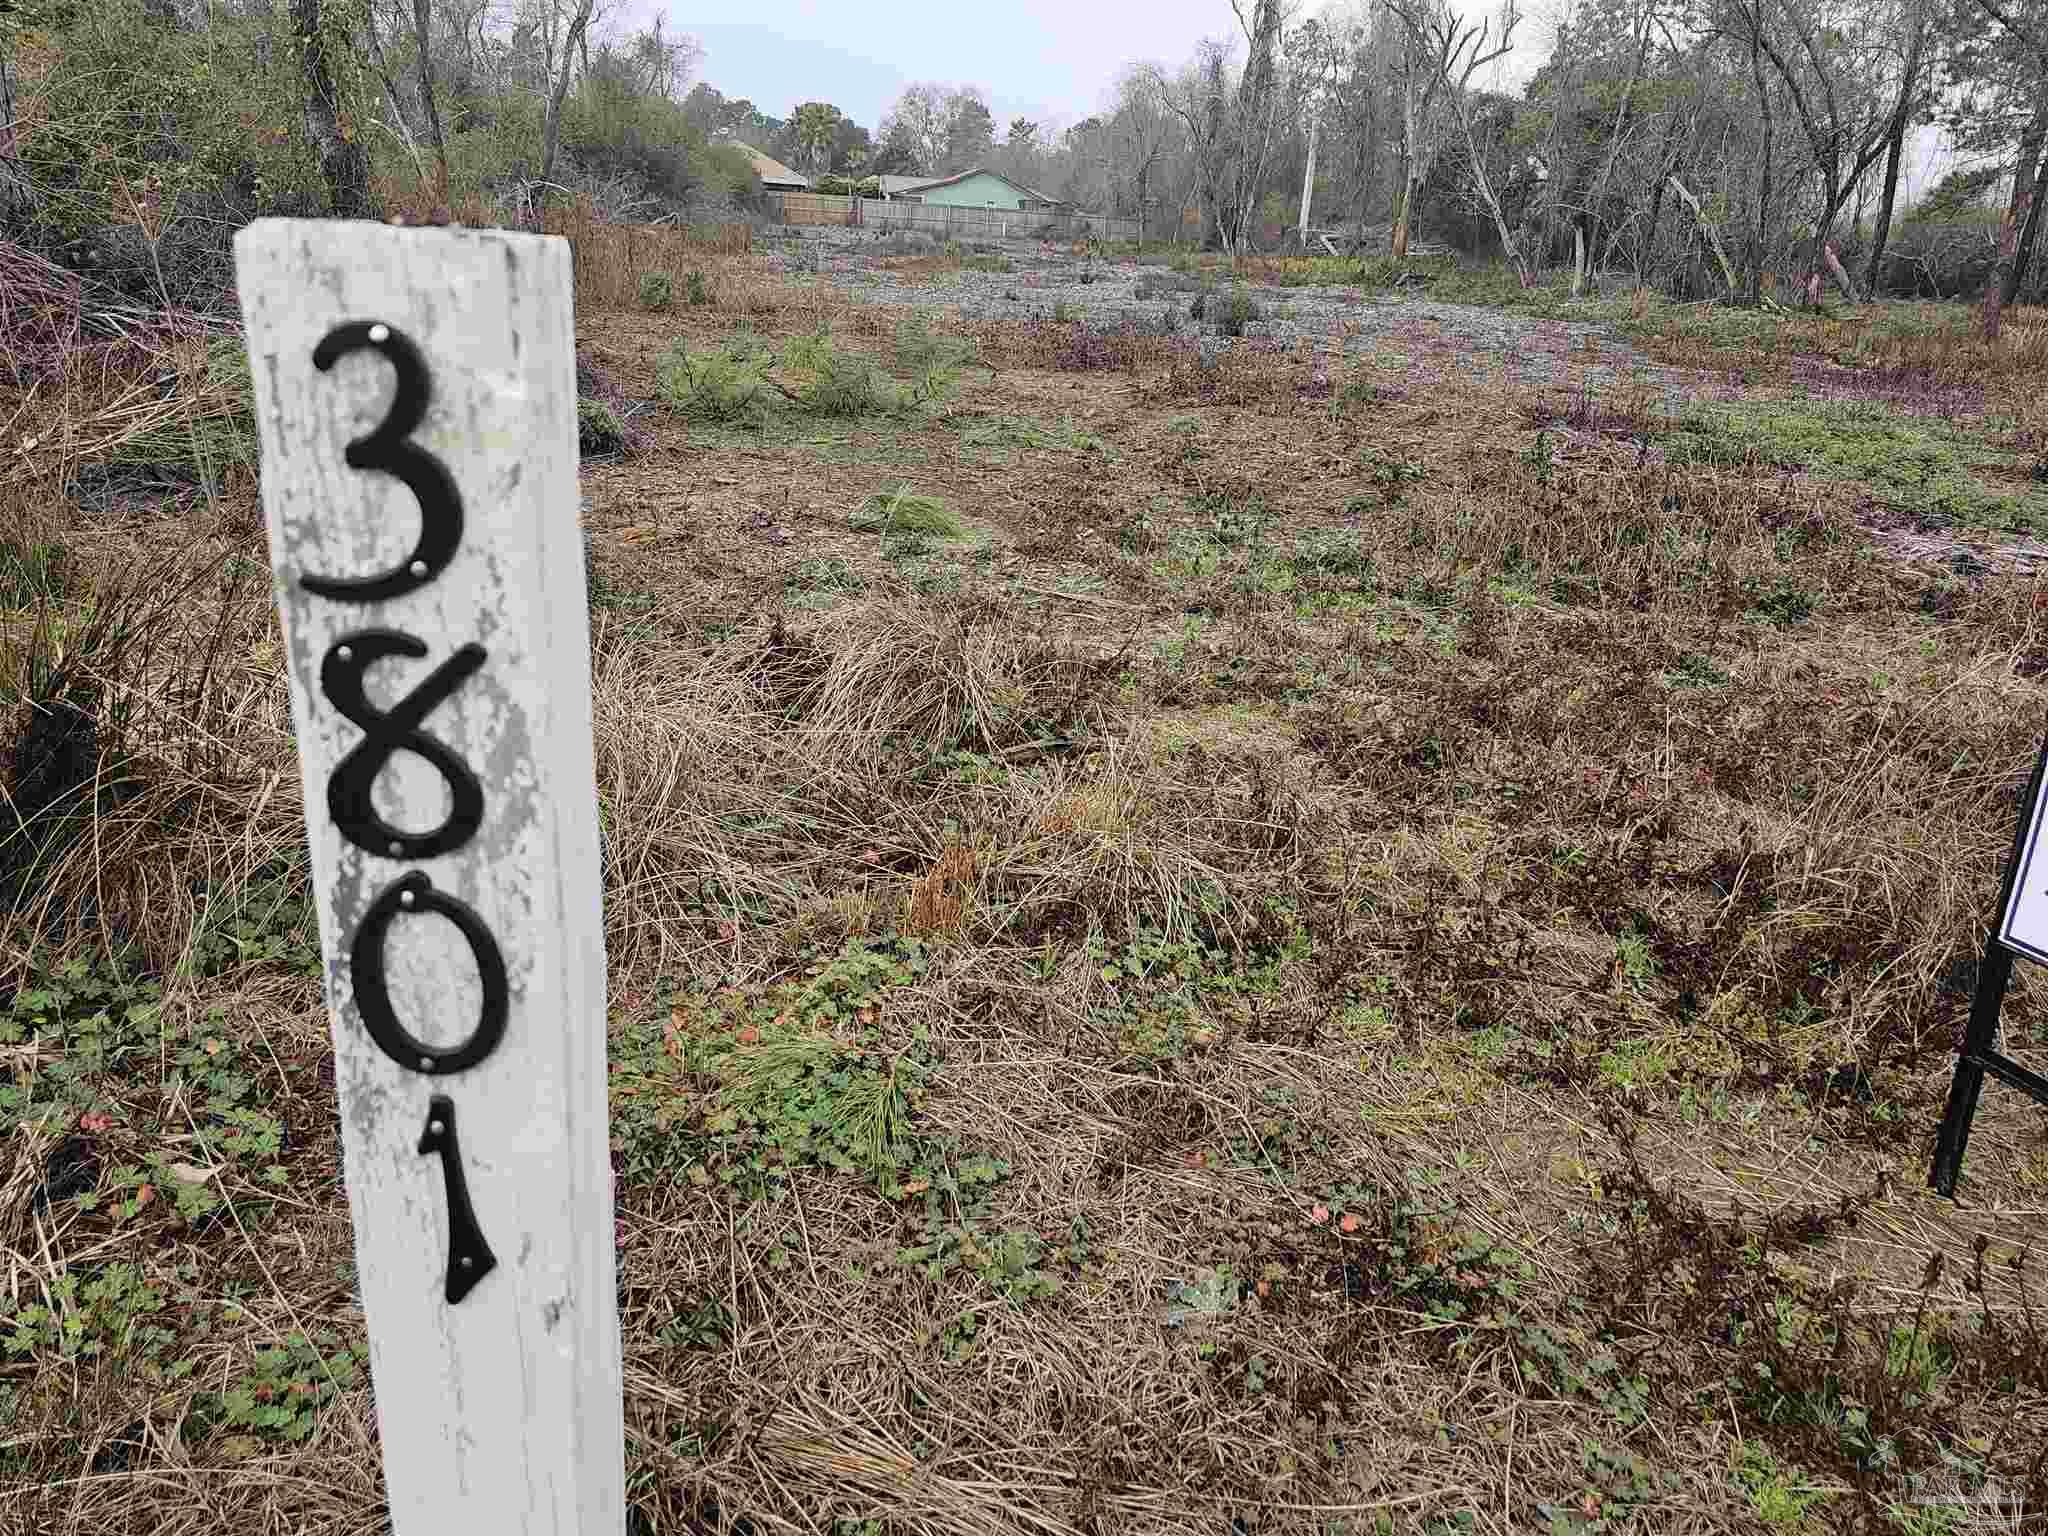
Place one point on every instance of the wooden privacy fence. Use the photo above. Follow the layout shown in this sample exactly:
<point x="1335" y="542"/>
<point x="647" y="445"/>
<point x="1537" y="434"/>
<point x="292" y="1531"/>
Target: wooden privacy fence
<point x="944" y="222"/>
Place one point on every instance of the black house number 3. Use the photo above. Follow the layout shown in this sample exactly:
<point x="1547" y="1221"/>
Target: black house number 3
<point x="389" y="450"/>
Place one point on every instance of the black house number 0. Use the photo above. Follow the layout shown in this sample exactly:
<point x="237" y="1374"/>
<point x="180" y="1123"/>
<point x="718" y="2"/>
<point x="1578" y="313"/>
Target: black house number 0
<point x="389" y="450"/>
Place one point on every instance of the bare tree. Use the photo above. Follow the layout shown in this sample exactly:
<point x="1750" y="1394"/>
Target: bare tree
<point x="1314" y="50"/>
<point x="1846" y="129"/>
<point x="430" y="114"/>
<point x="1753" y="17"/>
<point x="2029" y="172"/>
<point x="663" y="65"/>
<point x="917" y="125"/>
<point x="1424" y="65"/>
<point x="1895" y="143"/>
<point x="1456" y="53"/>
<point x="14" y="191"/>
<point x="344" y="161"/>
<point x="394" y="98"/>
<point x="1258" y="100"/>
<point x="560" y="27"/>
<point x="1144" y="128"/>
<point x="1199" y="101"/>
<point x="1588" y="240"/>
<point x="1359" y="96"/>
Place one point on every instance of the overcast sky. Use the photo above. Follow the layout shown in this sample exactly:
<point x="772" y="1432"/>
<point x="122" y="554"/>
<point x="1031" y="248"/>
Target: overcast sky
<point x="1053" y="61"/>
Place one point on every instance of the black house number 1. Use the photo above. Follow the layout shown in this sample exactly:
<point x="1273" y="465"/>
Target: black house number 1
<point x="389" y="450"/>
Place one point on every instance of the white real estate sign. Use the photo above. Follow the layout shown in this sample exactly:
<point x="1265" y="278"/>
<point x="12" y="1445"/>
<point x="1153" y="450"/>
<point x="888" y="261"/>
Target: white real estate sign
<point x="2024" y="925"/>
<point x="416" y="403"/>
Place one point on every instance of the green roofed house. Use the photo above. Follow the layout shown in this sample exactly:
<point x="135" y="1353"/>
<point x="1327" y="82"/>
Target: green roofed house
<point x="977" y="188"/>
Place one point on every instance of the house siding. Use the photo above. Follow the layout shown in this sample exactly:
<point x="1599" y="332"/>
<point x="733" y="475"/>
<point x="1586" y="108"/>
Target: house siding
<point x="974" y="192"/>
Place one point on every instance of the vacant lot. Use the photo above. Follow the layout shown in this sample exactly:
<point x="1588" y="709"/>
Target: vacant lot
<point x="1336" y="933"/>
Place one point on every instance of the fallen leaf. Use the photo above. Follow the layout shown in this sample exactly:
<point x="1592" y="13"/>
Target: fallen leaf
<point x="1319" y="1214"/>
<point x="749" y="1035"/>
<point x="1350" y="1223"/>
<point x="144" y="1195"/>
<point x="678" y="1017"/>
<point x="1265" y="1287"/>
<point x="211" y="1046"/>
<point x="917" y="1186"/>
<point x="185" y="1173"/>
<point x="95" y="1121"/>
<point x="1590" y="1503"/>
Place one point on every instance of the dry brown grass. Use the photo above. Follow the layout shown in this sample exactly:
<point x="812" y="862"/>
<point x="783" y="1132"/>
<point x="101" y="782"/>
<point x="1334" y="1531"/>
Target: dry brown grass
<point x="611" y="259"/>
<point x="1920" y="355"/>
<point x="1402" y="838"/>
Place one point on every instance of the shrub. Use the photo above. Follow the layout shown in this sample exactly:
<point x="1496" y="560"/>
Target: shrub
<point x="836" y="383"/>
<point x="30" y="573"/>
<point x="725" y="386"/>
<point x="840" y="383"/>
<point x="598" y="428"/>
<point x="1237" y="312"/>
<point x="933" y="362"/>
<point x="656" y="291"/>
<point x="904" y="511"/>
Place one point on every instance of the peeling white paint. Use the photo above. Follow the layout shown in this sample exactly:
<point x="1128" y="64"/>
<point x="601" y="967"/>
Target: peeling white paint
<point x="500" y="1413"/>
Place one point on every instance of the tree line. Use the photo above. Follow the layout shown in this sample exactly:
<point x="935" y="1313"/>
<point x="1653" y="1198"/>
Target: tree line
<point x="1726" y="148"/>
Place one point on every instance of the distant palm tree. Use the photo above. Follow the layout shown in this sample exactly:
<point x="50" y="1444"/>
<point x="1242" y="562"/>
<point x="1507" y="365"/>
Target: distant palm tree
<point x="816" y="124"/>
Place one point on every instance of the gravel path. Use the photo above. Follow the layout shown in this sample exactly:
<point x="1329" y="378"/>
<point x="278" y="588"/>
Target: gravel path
<point x="1406" y="334"/>
<point x="1415" y="339"/>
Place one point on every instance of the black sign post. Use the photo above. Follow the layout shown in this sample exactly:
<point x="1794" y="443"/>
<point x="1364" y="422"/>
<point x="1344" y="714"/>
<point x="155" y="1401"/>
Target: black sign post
<point x="2022" y="929"/>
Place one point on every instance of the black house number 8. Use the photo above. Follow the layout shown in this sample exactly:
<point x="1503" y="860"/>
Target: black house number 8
<point x="389" y="450"/>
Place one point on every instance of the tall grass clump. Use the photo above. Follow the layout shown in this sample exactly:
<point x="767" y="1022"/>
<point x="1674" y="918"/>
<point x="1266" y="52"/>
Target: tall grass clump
<point x="725" y="386"/>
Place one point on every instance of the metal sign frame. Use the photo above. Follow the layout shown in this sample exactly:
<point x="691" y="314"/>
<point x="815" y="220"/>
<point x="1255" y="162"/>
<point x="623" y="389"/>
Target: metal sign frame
<point x="1980" y="1056"/>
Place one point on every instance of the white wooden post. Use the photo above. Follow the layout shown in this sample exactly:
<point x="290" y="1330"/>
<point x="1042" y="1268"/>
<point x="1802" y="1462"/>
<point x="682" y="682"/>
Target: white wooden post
<point x="417" y="415"/>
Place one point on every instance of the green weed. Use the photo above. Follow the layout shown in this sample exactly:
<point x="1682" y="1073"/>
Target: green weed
<point x="728" y="386"/>
<point x="282" y="1396"/>
<point x="267" y="920"/>
<point x="598" y="428"/>
<point x="1910" y="464"/>
<point x="111" y="1314"/>
<point x="824" y="574"/>
<point x="906" y="512"/>
<point x="1236" y="311"/>
<point x="657" y="292"/>
<point x="31" y="574"/>
<point x="92" y="1018"/>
